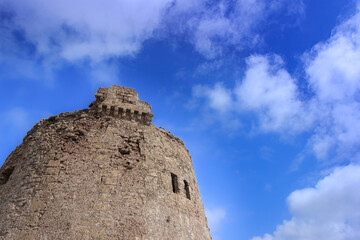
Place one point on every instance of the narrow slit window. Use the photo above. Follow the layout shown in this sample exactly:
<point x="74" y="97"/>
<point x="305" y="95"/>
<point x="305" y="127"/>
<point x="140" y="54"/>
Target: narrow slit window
<point x="121" y="112"/>
<point x="112" y="110"/>
<point x="174" y="181"/>
<point x="136" y="115"/>
<point x="187" y="189"/>
<point x="104" y="107"/>
<point x="143" y="117"/>
<point x="102" y="179"/>
<point x="128" y="114"/>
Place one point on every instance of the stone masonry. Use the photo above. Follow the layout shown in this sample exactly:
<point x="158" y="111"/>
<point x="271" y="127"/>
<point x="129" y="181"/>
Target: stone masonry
<point x="101" y="173"/>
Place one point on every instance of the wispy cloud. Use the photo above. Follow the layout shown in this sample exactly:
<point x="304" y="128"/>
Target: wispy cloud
<point x="14" y="123"/>
<point x="85" y="29"/>
<point x="104" y="73"/>
<point x="220" y="98"/>
<point x="215" y="28"/>
<point x="215" y="217"/>
<point x="17" y="118"/>
<point x="40" y="35"/>
<point x="331" y="113"/>
<point x="330" y="210"/>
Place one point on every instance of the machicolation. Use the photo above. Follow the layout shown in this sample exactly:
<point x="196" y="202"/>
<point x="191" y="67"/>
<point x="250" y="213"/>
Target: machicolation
<point x="123" y="103"/>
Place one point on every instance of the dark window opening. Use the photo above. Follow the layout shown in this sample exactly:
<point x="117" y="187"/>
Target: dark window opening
<point x="187" y="189"/>
<point x="104" y="109"/>
<point x="143" y="117"/>
<point x="136" y="115"/>
<point x="174" y="181"/>
<point x="128" y="114"/>
<point x="102" y="179"/>
<point x="5" y="175"/>
<point x="112" y="110"/>
<point x="120" y="112"/>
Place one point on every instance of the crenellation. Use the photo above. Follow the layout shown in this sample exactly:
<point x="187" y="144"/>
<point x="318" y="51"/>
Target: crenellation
<point x="127" y="102"/>
<point x="126" y="113"/>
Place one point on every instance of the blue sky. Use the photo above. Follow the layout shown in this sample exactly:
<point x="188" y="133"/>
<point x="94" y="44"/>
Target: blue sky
<point x="265" y="94"/>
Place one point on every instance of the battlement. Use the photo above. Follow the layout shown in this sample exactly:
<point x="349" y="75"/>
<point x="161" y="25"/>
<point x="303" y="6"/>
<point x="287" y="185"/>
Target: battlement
<point x="123" y="103"/>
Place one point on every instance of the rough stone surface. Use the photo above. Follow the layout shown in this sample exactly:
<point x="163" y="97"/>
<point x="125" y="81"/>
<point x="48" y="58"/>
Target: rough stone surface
<point x="101" y="173"/>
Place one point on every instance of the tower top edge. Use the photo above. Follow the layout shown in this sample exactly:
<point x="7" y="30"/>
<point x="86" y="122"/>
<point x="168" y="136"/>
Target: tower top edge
<point x="121" y="97"/>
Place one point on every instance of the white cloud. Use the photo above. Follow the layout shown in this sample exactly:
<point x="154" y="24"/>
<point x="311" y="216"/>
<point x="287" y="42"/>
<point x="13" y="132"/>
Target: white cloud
<point x="333" y="65"/>
<point x="331" y="110"/>
<point x="220" y="98"/>
<point x="269" y="89"/>
<point x="75" y="30"/>
<point x="334" y="76"/>
<point x="266" y="89"/>
<point x="38" y="37"/>
<point x="86" y="29"/>
<point x="330" y="210"/>
<point x="215" y="216"/>
<point x="214" y="27"/>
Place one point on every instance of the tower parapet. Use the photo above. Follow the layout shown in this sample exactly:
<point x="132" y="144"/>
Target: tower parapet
<point x="123" y="103"/>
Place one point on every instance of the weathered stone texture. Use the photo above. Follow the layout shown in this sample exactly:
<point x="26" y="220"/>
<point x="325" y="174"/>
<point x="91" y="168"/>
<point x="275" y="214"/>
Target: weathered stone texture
<point x="98" y="174"/>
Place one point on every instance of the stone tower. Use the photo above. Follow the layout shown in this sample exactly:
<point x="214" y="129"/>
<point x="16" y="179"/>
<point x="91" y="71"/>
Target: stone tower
<point x="101" y="173"/>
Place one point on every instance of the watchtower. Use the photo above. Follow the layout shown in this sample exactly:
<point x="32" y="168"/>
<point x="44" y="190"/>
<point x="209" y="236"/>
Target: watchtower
<point x="104" y="172"/>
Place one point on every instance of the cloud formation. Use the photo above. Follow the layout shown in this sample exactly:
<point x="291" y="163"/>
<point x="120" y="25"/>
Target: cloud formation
<point x="329" y="110"/>
<point x="88" y="29"/>
<point x="330" y="210"/>
<point x="215" y="216"/>
<point x="219" y="97"/>
<point x="39" y="38"/>
<point x="332" y="110"/>
<point x="54" y="31"/>
<point x="333" y="73"/>
<point x="215" y="27"/>
<point x="271" y="91"/>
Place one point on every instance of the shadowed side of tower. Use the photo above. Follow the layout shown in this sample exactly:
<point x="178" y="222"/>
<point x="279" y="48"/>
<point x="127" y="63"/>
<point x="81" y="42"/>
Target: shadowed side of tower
<point x="101" y="173"/>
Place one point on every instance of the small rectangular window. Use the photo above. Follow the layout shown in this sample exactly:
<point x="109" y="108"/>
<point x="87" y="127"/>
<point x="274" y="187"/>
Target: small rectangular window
<point x="143" y="117"/>
<point x="112" y="110"/>
<point x="128" y="114"/>
<point x="174" y="181"/>
<point x="187" y="189"/>
<point x="121" y="112"/>
<point x="104" y="108"/>
<point x="102" y="179"/>
<point x="136" y="115"/>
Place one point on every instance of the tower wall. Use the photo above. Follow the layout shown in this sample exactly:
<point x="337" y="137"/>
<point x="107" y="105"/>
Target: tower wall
<point x="98" y="174"/>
